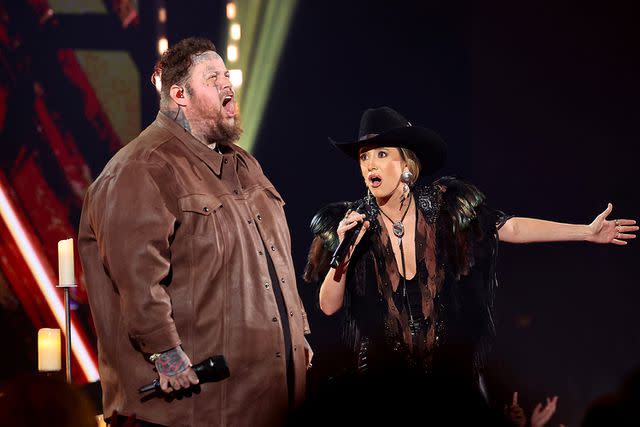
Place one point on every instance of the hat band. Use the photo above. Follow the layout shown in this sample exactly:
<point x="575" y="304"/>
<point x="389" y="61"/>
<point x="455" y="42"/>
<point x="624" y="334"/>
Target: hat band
<point x="368" y="136"/>
<point x="372" y="135"/>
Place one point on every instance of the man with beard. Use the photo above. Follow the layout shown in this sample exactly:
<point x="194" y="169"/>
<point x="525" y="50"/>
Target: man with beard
<point x="187" y="255"/>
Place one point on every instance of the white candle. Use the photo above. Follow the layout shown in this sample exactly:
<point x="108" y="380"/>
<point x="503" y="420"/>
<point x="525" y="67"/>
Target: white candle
<point x="66" y="271"/>
<point x="49" y="356"/>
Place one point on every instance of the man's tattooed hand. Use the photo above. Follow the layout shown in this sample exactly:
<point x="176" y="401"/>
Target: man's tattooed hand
<point x="172" y="362"/>
<point x="174" y="370"/>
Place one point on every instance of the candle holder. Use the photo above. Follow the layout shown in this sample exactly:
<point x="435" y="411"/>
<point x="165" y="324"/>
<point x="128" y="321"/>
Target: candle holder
<point x="67" y="328"/>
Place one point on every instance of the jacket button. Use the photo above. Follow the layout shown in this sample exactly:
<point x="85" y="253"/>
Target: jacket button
<point x="236" y="192"/>
<point x="295" y="348"/>
<point x="275" y="319"/>
<point x="282" y="280"/>
<point x="226" y="161"/>
<point x="259" y="252"/>
<point x="259" y="217"/>
<point x="291" y="313"/>
<point x="250" y="221"/>
<point x="205" y="209"/>
<point x="267" y="285"/>
<point x="277" y="354"/>
<point x="273" y="248"/>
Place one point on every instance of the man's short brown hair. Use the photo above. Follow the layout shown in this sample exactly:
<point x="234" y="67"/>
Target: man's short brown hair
<point x="175" y="64"/>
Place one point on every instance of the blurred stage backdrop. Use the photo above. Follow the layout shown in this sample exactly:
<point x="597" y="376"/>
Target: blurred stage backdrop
<point x="538" y="102"/>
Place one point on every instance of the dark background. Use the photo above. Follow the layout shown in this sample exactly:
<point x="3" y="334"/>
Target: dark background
<point x="539" y="104"/>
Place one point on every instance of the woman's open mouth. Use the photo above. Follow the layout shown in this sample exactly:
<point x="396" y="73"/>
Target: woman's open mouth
<point x="375" y="180"/>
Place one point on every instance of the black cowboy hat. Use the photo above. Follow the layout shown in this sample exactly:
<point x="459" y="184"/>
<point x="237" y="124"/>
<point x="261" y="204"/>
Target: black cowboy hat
<point x="384" y="126"/>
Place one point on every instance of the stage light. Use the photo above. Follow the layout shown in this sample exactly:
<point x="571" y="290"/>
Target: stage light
<point x="235" y="32"/>
<point x="162" y="15"/>
<point x="231" y="10"/>
<point x="264" y="32"/>
<point x="157" y="82"/>
<point x="163" y="45"/>
<point x="46" y="16"/>
<point x="236" y="78"/>
<point x="232" y="53"/>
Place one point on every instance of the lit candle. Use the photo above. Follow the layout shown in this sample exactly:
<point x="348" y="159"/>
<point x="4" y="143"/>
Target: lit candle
<point x="49" y="356"/>
<point x="66" y="272"/>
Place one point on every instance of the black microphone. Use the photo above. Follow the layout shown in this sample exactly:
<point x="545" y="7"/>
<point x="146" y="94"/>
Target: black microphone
<point x="349" y="237"/>
<point x="211" y="370"/>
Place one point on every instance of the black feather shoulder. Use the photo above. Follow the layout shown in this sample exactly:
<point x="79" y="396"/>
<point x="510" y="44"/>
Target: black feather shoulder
<point x="324" y="226"/>
<point x="461" y="206"/>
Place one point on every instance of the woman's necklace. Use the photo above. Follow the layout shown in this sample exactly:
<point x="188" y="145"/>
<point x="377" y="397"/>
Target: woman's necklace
<point x="398" y="227"/>
<point x="398" y="230"/>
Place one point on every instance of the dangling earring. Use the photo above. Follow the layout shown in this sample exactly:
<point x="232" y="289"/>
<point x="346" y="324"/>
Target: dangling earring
<point x="405" y="178"/>
<point x="405" y="195"/>
<point x="369" y="195"/>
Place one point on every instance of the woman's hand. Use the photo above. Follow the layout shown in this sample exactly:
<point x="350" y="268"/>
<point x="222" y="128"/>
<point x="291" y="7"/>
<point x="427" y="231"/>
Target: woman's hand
<point x="333" y="285"/>
<point x="616" y="231"/>
<point x="350" y="220"/>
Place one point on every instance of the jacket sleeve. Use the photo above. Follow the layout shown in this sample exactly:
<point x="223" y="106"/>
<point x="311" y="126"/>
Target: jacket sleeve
<point x="134" y="231"/>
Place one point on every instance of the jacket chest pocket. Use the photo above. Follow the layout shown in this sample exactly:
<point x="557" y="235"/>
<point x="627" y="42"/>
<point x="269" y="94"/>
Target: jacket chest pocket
<point x="200" y="212"/>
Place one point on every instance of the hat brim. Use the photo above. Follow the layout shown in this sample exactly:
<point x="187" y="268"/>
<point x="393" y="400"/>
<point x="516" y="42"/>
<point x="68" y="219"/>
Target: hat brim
<point x="428" y="146"/>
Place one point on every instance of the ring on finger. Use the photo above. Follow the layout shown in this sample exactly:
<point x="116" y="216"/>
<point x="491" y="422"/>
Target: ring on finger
<point x="616" y="222"/>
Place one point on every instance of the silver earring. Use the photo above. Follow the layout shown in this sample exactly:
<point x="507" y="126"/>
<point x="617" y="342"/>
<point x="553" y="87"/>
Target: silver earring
<point x="405" y="195"/>
<point x="406" y="177"/>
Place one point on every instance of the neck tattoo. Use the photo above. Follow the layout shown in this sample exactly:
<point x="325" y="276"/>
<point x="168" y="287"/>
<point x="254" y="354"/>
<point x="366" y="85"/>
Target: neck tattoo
<point x="177" y="115"/>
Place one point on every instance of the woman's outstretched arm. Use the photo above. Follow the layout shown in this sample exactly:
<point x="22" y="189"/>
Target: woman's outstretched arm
<point x="601" y="230"/>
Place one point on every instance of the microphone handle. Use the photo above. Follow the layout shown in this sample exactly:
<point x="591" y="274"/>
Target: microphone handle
<point x="210" y="370"/>
<point x="342" y="249"/>
<point x="153" y="385"/>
